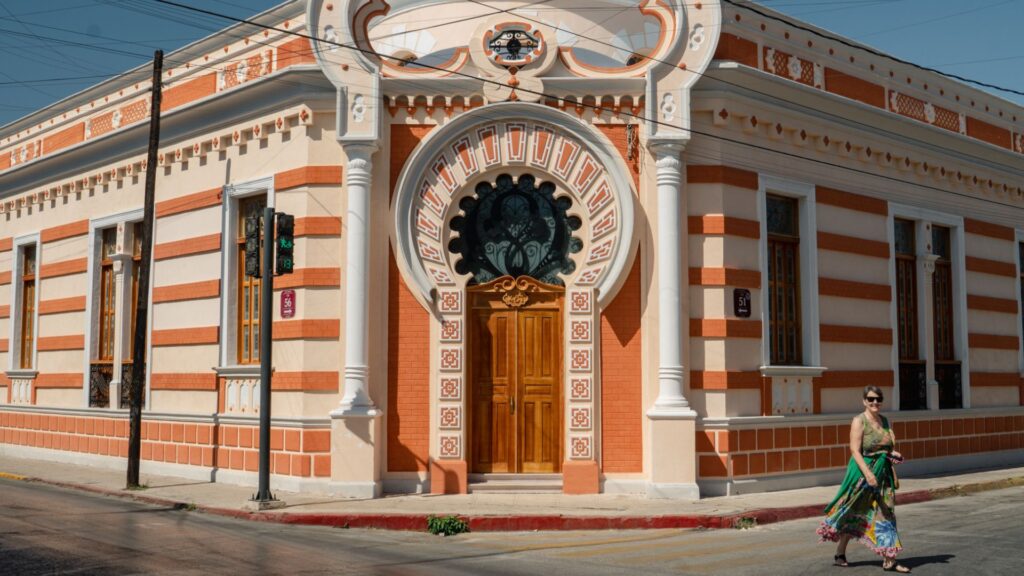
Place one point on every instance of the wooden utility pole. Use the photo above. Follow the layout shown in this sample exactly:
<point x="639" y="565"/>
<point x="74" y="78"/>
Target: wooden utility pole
<point x="138" y="378"/>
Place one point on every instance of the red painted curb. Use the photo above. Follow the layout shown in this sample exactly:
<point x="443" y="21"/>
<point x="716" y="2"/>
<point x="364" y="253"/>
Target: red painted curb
<point x="524" y="523"/>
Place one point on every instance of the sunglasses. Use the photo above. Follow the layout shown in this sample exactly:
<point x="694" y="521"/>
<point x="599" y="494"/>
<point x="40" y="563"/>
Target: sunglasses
<point x="874" y="399"/>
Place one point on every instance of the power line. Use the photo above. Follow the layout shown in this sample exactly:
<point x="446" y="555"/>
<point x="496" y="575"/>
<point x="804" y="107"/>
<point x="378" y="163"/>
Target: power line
<point x="591" y="106"/>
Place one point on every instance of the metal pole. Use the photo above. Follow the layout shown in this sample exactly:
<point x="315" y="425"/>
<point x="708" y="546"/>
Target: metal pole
<point x="266" y="360"/>
<point x="142" y="300"/>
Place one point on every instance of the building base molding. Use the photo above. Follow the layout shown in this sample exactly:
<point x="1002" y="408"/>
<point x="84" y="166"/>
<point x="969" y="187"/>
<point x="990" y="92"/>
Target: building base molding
<point x="356" y="454"/>
<point x="673" y="462"/>
<point x="356" y="490"/>
<point x="449" y="477"/>
<point x="667" y="491"/>
<point x="580" y="477"/>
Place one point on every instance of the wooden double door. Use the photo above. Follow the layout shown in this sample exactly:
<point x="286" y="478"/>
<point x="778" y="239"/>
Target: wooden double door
<point x="515" y="419"/>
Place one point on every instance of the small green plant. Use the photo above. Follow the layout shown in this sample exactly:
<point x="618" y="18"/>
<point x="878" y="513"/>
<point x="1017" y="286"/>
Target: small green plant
<point x="139" y="487"/>
<point x="446" y="525"/>
<point x="745" y="523"/>
<point x="190" y="507"/>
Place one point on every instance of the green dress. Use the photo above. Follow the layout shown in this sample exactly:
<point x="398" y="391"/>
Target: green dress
<point x="861" y="511"/>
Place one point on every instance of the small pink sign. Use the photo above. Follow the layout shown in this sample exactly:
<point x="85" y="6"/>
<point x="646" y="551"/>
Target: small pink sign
<point x="287" y="303"/>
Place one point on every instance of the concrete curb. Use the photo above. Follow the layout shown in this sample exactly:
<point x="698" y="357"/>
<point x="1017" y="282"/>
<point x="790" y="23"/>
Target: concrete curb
<point x="523" y="523"/>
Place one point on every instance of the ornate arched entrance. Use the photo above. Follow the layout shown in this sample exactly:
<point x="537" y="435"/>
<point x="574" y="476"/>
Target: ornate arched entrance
<point x="537" y="199"/>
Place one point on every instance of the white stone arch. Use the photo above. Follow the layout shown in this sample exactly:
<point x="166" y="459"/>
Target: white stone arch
<point x="515" y="138"/>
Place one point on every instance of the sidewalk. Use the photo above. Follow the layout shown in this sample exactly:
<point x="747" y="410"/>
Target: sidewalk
<point x="489" y="512"/>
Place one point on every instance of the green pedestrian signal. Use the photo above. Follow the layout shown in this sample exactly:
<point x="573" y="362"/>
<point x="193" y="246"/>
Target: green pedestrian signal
<point x="285" y="253"/>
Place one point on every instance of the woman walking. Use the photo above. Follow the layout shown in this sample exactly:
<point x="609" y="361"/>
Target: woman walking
<point x="864" y="507"/>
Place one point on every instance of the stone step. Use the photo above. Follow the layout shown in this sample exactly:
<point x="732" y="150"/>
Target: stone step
<point x="515" y="483"/>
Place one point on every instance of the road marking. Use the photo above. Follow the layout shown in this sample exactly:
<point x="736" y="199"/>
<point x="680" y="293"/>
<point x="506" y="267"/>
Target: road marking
<point x="10" y="476"/>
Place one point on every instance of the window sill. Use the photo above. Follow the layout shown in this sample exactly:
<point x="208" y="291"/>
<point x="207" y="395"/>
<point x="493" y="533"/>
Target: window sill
<point x="22" y="374"/>
<point x="793" y="371"/>
<point x="238" y="371"/>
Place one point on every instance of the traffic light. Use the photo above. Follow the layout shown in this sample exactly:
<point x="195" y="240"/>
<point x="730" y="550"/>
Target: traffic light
<point x="285" y="262"/>
<point x="252" y="245"/>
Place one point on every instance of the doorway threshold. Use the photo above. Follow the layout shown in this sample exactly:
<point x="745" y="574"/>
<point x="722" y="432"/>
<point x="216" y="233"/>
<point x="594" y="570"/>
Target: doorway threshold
<point x="515" y="483"/>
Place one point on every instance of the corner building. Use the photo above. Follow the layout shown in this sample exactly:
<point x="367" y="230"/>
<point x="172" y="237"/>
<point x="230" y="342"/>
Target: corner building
<point x="656" y="253"/>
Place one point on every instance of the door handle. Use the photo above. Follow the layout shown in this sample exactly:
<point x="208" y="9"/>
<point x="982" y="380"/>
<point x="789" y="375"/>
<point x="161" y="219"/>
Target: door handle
<point x="513" y="402"/>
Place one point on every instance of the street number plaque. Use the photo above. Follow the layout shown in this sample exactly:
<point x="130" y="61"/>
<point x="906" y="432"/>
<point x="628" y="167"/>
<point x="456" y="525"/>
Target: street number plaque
<point x="287" y="303"/>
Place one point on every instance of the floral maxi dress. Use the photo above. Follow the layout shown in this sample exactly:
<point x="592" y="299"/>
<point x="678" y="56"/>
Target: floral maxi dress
<point x="861" y="511"/>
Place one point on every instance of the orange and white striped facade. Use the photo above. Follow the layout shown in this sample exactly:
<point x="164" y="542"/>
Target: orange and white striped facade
<point x="670" y="145"/>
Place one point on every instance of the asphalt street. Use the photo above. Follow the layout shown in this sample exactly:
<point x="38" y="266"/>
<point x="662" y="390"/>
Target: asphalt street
<point x="48" y="530"/>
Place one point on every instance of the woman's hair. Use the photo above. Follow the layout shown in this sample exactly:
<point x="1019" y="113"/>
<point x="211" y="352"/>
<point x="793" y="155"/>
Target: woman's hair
<point x="874" y="389"/>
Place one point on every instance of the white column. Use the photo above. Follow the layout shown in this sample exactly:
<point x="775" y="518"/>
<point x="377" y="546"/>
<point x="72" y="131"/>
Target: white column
<point x="671" y="422"/>
<point x="926" y="264"/>
<point x="356" y="398"/>
<point x="671" y="401"/>
<point x="122" y="310"/>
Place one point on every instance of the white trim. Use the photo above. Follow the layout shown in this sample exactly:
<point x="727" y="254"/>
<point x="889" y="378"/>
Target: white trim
<point x="1018" y="238"/>
<point x="926" y="217"/>
<point x="228" y="261"/>
<point x="804" y="192"/>
<point x="92" y="323"/>
<point x="14" y="346"/>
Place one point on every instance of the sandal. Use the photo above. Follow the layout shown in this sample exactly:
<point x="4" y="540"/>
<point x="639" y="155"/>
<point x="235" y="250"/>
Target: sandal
<point x="894" y="566"/>
<point x="840" y="560"/>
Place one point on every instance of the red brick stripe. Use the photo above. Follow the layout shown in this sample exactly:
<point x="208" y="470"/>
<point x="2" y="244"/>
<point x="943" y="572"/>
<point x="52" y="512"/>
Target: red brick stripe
<point x="66" y="137"/>
<point x="203" y="199"/>
<point x="989" y="133"/>
<point x="65" y="268"/>
<point x="725" y="277"/>
<point x="5" y="311"/>
<point x="318" y="226"/>
<point x="307" y="176"/>
<point x="992" y="341"/>
<point x="307" y="329"/>
<point x="187" y="247"/>
<point x="71" y="380"/>
<point x="991" y="304"/>
<point x="6" y="244"/>
<point x="58" y="305"/>
<point x="850" y="289"/>
<point x="855" y="334"/>
<point x="307" y="381"/>
<point x="186" y="336"/>
<point x="5" y="277"/>
<point x="851" y="245"/>
<point x="48" y="343"/>
<point x="188" y="291"/>
<point x="718" y="224"/>
<point x="294" y="53"/>
<point x="855" y="378"/>
<point x="309" y="277"/>
<point x="980" y="228"/>
<point x="183" y="381"/>
<point x="993" y="267"/>
<point x="71" y="230"/>
<point x="736" y="49"/>
<point x="5" y="345"/>
<point x="995" y="379"/>
<point x="854" y="88"/>
<point x="704" y="174"/>
<point x="725" y="380"/>
<point x="722" y="328"/>
<point x="851" y="201"/>
<point x="186" y="92"/>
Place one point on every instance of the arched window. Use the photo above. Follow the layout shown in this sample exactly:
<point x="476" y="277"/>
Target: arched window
<point x="515" y="228"/>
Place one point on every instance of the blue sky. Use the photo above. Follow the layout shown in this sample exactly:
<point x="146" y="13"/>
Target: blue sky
<point x="54" y="48"/>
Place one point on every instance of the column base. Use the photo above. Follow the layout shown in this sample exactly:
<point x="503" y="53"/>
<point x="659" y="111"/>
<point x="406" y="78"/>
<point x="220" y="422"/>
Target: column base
<point x="673" y="456"/>
<point x="356" y="455"/>
<point x="449" y="477"/>
<point x="580" y="477"/>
